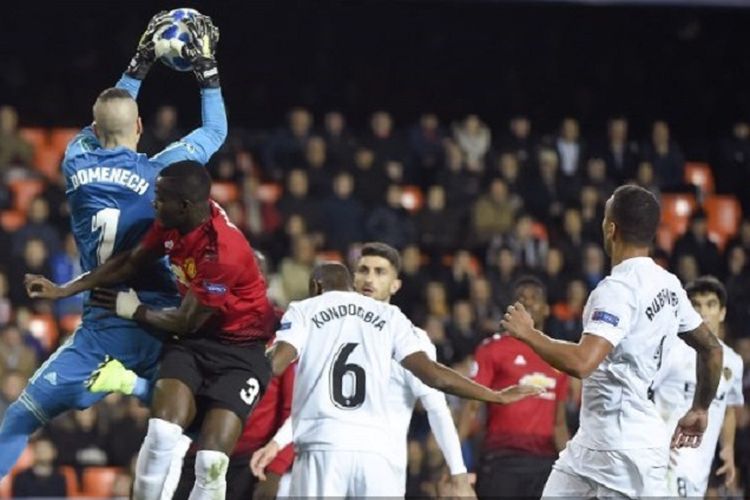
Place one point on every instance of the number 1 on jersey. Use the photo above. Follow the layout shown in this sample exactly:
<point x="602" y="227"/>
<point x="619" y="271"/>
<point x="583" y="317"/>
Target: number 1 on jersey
<point x="105" y="220"/>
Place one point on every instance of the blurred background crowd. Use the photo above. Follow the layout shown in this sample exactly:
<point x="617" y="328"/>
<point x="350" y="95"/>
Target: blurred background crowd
<point x="474" y="193"/>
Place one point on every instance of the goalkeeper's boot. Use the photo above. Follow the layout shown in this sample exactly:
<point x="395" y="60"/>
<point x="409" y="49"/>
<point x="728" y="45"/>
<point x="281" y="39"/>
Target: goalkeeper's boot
<point x="112" y="376"/>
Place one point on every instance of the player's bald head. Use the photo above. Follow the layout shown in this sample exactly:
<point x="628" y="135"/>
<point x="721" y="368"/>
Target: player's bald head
<point x="116" y="114"/>
<point x="330" y="276"/>
<point x="186" y="180"/>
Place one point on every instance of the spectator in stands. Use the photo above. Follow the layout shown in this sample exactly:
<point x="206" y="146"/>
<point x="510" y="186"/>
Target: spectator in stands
<point x="391" y="223"/>
<point x="12" y="383"/>
<point x="594" y="267"/>
<point x="438" y="226"/>
<point x="295" y="270"/>
<point x="435" y="329"/>
<point x="462" y="330"/>
<point x="383" y="140"/>
<point x="436" y="301"/>
<point x="686" y="268"/>
<point x="665" y="155"/>
<point x="493" y="214"/>
<point x="261" y="217"/>
<point x="316" y="164"/>
<point x="733" y="162"/>
<point x="6" y="306"/>
<point x="37" y="227"/>
<point x="620" y="154"/>
<point x="554" y="275"/>
<point x="224" y="169"/>
<point x="414" y="280"/>
<point x="474" y="139"/>
<point x="742" y="238"/>
<point x="571" y="240"/>
<point x="646" y="178"/>
<point x="369" y="178"/>
<point x="508" y="169"/>
<point x="80" y="437"/>
<point x="297" y="201"/>
<point x="461" y="185"/>
<point x="343" y="215"/>
<point x="460" y="276"/>
<point x="592" y="213"/>
<point x="14" y="149"/>
<point x="696" y="242"/>
<point x="529" y="248"/>
<point x="426" y="145"/>
<point x="596" y="176"/>
<point x="566" y="322"/>
<point x="486" y="311"/>
<point x="546" y="199"/>
<point x="42" y="479"/>
<point x="519" y="139"/>
<point x="35" y="260"/>
<point x="57" y="201"/>
<point x="340" y="143"/>
<point x="15" y="355"/>
<point x="286" y="148"/>
<point x="121" y="446"/>
<point x="738" y="290"/>
<point x="162" y="132"/>
<point x="502" y="274"/>
<point x="569" y="148"/>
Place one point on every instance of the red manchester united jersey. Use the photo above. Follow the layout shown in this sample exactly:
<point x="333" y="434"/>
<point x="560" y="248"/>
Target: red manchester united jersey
<point x="528" y="425"/>
<point x="214" y="261"/>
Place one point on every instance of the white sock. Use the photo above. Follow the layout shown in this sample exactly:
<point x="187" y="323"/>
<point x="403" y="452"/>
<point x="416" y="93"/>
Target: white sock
<point x="154" y="458"/>
<point x="210" y="476"/>
<point x="175" y="468"/>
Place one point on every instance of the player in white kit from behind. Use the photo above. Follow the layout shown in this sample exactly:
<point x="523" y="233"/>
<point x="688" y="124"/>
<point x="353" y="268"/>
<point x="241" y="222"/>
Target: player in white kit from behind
<point x="345" y="343"/>
<point x="689" y="469"/>
<point x="622" y="445"/>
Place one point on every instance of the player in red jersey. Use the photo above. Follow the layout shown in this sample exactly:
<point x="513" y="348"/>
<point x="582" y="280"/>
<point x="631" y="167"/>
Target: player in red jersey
<point x="219" y="329"/>
<point x="521" y="441"/>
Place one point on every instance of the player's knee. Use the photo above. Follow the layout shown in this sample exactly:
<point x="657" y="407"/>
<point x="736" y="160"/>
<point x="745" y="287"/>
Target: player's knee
<point x="211" y="468"/>
<point x="163" y="435"/>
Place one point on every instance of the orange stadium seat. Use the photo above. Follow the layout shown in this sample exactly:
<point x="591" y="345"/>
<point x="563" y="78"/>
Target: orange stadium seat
<point x="98" y="481"/>
<point x="36" y="136"/>
<point x="47" y="161"/>
<point x="329" y="255"/>
<point x="71" y="480"/>
<point x="12" y="220"/>
<point x="44" y="329"/>
<point x="700" y="176"/>
<point x="225" y="192"/>
<point x="69" y="322"/>
<point x="60" y="137"/>
<point x="724" y="216"/>
<point x="25" y="190"/>
<point x="269" y="192"/>
<point x="539" y="230"/>
<point x="676" y="209"/>
<point x="412" y="198"/>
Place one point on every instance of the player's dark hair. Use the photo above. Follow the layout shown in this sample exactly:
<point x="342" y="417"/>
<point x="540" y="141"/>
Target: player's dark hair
<point x="636" y="213"/>
<point x="190" y="180"/>
<point x="379" y="249"/>
<point x="114" y="93"/>
<point x="529" y="280"/>
<point x="707" y="284"/>
<point x="332" y="276"/>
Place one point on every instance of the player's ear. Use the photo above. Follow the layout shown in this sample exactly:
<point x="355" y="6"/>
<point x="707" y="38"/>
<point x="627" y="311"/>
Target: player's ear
<point x="139" y="126"/>
<point x="722" y="314"/>
<point x="95" y="129"/>
<point x="395" y="286"/>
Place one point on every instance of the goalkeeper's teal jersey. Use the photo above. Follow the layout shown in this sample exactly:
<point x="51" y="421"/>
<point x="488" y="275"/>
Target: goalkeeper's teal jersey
<point x="111" y="191"/>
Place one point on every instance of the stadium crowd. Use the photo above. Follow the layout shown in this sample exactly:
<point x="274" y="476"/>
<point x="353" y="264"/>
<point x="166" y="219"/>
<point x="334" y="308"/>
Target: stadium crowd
<point x="471" y="209"/>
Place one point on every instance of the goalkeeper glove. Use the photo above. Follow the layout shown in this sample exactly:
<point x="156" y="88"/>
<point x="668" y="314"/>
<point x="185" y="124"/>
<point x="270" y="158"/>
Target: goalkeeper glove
<point x="200" y="51"/>
<point x="144" y="55"/>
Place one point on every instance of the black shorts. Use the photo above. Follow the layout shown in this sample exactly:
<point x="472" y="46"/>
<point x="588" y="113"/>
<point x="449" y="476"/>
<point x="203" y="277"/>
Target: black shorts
<point x="512" y="475"/>
<point x="220" y="375"/>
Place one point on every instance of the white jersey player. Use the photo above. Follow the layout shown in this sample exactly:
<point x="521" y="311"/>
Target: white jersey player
<point x="621" y="448"/>
<point x="346" y="343"/>
<point x="674" y="389"/>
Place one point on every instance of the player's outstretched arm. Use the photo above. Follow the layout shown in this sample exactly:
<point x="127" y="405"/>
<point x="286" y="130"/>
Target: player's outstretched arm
<point x="200" y="144"/>
<point x="578" y="360"/>
<point x="145" y="54"/>
<point x="709" y="362"/>
<point x="450" y="381"/>
<point x="116" y="270"/>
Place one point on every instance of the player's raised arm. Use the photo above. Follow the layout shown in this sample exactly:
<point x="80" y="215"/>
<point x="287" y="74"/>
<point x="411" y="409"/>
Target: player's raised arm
<point x="200" y="144"/>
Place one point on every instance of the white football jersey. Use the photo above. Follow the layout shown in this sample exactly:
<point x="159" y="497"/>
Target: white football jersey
<point x="346" y="344"/>
<point x="637" y="308"/>
<point x="673" y="394"/>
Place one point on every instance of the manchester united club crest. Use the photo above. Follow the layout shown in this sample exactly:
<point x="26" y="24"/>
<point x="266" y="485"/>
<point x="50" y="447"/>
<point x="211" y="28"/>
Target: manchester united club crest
<point x="189" y="267"/>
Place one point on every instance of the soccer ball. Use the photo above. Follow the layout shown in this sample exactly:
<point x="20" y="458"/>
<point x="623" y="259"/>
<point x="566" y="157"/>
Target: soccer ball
<point x="169" y="40"/>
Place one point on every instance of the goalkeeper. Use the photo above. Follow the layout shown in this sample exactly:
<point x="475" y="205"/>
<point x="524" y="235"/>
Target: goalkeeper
<point x="110" y="190"/>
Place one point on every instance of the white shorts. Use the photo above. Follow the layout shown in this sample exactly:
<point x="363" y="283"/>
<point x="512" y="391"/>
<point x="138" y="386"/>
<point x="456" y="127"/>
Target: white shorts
<point x="688" y="476"/>
<point x="285" y="483"/>
<point x="584" y="473"/>
<point x="344" y="474"/>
